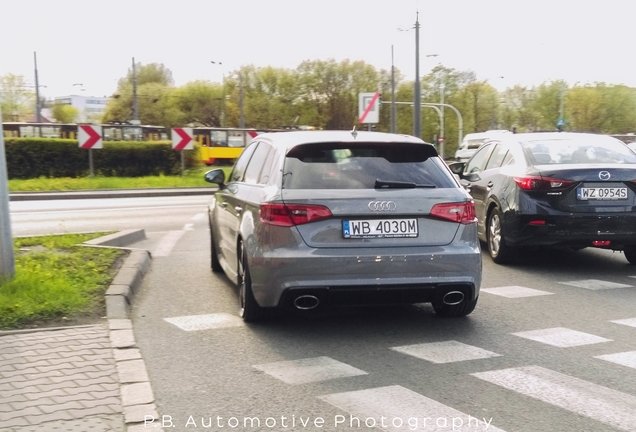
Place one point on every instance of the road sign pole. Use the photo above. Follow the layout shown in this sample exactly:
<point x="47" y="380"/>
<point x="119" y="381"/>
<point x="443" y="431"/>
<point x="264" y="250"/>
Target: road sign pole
<point x="90" y="162"/>
<point x="7" y="259"/>
<point x="182" y="164"/>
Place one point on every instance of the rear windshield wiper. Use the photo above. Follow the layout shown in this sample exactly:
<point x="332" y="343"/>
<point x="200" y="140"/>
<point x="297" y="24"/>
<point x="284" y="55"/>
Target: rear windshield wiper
<point x="388" y="184"/>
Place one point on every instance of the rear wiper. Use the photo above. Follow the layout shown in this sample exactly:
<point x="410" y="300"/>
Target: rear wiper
<point x="388" y="184"/>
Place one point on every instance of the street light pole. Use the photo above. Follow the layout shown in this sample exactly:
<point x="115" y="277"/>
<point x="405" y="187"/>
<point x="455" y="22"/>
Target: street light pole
<point x="38" y="108"/>
<point x="417" y="90"/>
<point x="135" y="102"/>
<point x="7" y="259"/>
<point x="222" y="92"/>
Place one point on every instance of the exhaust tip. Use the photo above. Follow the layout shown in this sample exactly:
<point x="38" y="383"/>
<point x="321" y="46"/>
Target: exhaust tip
<point x="306" y="302"/>
<point x="452" y="298"/>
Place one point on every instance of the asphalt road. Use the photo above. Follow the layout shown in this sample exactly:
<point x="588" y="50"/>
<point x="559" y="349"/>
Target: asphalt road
<point x="550" y="346"/>
<point x="522" y="363"/>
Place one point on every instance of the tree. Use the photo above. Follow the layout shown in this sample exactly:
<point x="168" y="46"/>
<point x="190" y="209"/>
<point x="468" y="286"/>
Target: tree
<point x="16" y="100"/>
<point x="150" y="73"/>
<point x="154" y="87"/>
<point x="199" y="103"/>
<point x="63" y="113"/>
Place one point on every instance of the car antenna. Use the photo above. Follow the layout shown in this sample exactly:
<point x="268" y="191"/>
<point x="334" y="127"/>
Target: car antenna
<point x="354" y="133"/>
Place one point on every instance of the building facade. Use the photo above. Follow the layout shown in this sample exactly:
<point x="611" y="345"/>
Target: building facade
<point x="91" y="108"/>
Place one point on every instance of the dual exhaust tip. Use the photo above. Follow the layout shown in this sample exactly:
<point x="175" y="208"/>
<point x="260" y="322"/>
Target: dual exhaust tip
<point x="308" y="301"/>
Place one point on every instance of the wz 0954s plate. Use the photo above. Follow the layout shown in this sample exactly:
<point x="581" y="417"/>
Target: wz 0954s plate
<point x="379" y="228"/>
<point x="601" y="193"/>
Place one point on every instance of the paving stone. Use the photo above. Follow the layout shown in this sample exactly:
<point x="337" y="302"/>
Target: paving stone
<point x="111" y="423"/>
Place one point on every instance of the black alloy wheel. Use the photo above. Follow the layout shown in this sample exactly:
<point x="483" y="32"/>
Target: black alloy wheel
<point x="249" y="310"/>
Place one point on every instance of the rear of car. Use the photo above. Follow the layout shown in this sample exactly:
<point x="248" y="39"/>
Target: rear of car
<point x="584" y="192"/>
<point x="364" y="219"/>
<point x="561" y="190"/>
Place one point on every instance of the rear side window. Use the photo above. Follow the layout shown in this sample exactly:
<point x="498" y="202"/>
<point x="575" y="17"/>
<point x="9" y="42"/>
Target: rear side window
<point x="359" y="165"/>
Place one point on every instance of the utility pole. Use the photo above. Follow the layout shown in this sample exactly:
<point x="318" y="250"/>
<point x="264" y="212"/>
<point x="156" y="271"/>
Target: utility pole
<point x="442" y="142"/>
<point x="7" y="259"/>
<point x="417" y="90"/>
<point x="393" y="111"/>
<point x="38" y="108"/>
<point x="135" y="103"/>
<point x="242" y="118"/>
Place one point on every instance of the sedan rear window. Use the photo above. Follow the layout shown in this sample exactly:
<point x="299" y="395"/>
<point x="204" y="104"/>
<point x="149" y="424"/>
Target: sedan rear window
<point x="359" y="165"/>
<point x="599" y="149"/>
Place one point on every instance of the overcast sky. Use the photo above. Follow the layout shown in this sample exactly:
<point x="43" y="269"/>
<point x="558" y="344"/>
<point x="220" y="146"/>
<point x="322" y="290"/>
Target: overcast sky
<point x="527" y="42"/>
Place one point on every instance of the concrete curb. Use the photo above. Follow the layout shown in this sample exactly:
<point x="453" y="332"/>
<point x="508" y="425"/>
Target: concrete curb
<point x="119" y="239"/>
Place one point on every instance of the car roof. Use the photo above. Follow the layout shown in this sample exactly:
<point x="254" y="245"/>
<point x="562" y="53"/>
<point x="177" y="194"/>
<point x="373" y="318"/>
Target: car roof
<point x="535" y="136"/>
<point x="291" y="139"/>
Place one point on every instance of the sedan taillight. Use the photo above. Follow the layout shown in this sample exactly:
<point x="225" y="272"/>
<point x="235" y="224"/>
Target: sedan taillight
<point x="288" y="215"/>
<point x="463" y="213"/>
<point x="537" y="183"/>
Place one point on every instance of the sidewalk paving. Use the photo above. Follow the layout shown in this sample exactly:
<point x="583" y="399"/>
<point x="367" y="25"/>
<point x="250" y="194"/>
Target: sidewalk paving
<point x="87" y="378"/>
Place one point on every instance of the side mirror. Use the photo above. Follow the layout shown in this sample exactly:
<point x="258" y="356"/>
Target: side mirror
<point x="216" y="176"/>
<point x="457" y="168"/>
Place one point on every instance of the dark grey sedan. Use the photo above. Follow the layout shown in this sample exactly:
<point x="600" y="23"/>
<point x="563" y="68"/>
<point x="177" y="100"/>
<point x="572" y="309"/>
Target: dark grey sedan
<point x="332" y="218"/>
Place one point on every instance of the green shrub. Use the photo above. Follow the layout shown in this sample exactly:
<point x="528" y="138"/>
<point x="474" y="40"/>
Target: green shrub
<point x="42" y="157"/>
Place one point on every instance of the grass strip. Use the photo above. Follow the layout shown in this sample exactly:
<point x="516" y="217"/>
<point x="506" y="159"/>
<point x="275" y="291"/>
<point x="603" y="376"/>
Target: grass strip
<point x="56" y="279"/>
<point x="193" y="178"/>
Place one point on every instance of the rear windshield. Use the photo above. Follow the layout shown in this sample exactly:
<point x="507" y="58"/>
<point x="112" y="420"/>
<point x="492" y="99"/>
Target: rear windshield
<point x="598" y="149"/>
<point x="359" y="165"/>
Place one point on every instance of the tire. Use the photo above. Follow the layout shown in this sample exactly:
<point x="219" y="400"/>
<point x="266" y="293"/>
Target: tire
<point x="459" y="310"/>
<point x="499" y="251"/>
<point x="630" y="254"/>
<point x="249" y="310"/>
<point x="214" y="256"/>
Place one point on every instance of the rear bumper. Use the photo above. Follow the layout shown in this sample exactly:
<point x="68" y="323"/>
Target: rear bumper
<point x="339" y="277"/>
<point x="573" y="230"/>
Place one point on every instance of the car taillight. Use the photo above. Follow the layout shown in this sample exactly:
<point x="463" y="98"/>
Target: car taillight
<point x="463" y="213"/>
<point x="292" y="214"/>
<point x="536" y="183"/>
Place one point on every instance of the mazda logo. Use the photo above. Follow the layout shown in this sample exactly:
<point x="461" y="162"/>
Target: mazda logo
<point x="604" y="175"/>
<point x="382" y="206"/>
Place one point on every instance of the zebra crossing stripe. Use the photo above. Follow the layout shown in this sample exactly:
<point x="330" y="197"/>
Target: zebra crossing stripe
<point x="395" y="408"/>
<point x="309" y="370"/>
<point x="581" y="397"/>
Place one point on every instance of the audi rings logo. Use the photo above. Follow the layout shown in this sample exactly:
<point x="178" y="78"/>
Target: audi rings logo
<point x="604" y="175"/>
<point x="382" y="206"/>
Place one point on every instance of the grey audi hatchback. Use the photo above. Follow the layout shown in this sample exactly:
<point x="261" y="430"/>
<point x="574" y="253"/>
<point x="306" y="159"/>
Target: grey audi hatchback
<point x="334" y="218"/>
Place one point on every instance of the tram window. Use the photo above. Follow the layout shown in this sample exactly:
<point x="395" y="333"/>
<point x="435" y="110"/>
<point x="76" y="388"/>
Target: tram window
<point x="218" y="139"/>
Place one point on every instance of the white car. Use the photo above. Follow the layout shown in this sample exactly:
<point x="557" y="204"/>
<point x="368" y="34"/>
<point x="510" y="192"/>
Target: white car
<point x="473" y="141"/>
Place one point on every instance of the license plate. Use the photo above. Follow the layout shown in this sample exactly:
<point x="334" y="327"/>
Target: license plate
<point x="600" y="193"/>
<point x="379" y="228"/>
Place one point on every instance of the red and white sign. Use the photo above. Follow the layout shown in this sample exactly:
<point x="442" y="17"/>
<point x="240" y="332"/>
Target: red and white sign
<point x="90" y="137"/>
<point x="182" y="139"/>
<point x="369" y="107"/>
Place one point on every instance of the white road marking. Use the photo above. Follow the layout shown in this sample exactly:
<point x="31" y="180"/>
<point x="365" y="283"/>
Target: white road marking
<point x="309" y="370"/>
<point x="188" y="227"/>
<point x="395" y="408"/>
<point x="198" y="216"/>
<point x="445" y="352"/>
<point x="628" y="322"/>
<point x="515" y="291"/>
<point x="625" y="358"/>
<point x="581" y="397"/>
<point x="165" y="245"/>
<point x="595" y="284"/>
<point x="561" y="337"/>
<point x="206" y="322"/>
